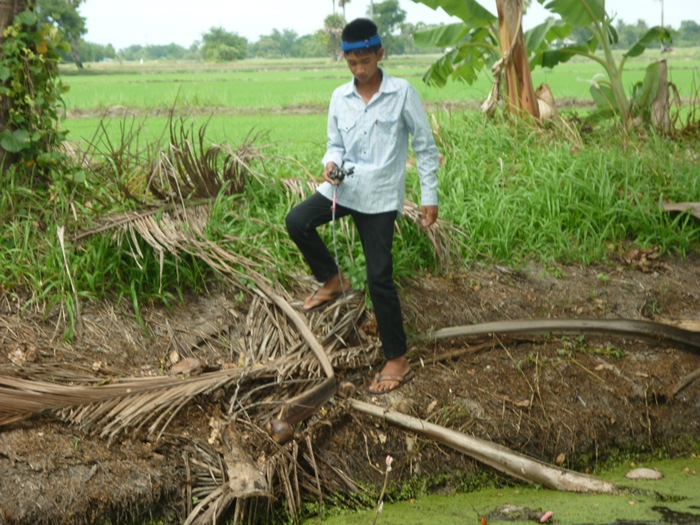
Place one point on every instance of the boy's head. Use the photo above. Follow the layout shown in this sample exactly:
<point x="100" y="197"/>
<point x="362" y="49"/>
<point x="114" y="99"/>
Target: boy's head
<point x="361" y="37"/>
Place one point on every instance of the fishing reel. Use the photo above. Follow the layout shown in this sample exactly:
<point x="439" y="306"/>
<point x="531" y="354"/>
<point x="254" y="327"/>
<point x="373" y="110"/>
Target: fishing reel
<point x="338" y="174"/>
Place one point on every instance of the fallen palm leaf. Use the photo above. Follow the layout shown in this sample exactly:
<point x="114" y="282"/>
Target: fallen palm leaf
<point x="192" y="168"/>
<point x="130" y="403"/>
<point x="302" y="327"/>
<point x="237" y="478"/>
<point x="445" y="237"/>
<point x="643" y="329"/>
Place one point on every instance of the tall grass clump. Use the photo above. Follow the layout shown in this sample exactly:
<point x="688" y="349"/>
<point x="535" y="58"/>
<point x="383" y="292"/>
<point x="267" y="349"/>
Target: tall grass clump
<point x="522" y="192"/>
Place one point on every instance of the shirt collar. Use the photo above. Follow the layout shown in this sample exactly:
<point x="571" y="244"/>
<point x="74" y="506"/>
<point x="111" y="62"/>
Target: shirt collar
<point x="387" y="86"/>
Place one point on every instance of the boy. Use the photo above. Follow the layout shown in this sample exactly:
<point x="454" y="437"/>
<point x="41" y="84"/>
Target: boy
<point x="369" y="122"/>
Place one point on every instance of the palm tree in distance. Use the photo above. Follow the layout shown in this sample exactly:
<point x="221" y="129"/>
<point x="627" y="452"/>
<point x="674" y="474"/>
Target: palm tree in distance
<point x="662" y="12"/>
<point x="343" y="3"/>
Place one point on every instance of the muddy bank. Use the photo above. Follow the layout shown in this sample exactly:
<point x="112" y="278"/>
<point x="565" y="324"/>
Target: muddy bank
<point x="572" y="400"/>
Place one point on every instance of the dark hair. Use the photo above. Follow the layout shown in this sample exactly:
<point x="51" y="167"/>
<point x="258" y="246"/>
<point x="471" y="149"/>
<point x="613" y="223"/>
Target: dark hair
<point x="361" y="29"/>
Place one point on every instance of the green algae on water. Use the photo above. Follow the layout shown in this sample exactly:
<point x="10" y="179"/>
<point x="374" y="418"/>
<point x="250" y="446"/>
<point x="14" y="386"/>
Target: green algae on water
<point x="672" y="500"/>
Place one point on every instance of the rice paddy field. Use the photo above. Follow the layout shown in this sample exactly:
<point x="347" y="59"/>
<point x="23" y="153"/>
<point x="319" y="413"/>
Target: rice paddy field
<point x="287" y="98"/>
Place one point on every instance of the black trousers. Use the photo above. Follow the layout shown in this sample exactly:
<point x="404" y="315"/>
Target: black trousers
<point x="377" y="236"/>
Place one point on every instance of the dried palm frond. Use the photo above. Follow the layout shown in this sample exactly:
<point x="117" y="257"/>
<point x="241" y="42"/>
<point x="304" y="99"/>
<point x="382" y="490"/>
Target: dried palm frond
<point x="269" y="334"/>
<point x="288" y="472"/>
<point x="60" y="373"/>
<point x="298" y="189"/>
<point x="118" y="221"/>
<point x="282" y="471"/>
<point x="261" y="390"/>
<point x="223" y="473"/>
<point x="134" y="403"/>
<point x="193" y="169"/>
<point x="108" y="409"/>
<point x="443" y="235"/>
<point x="183" y="230"/>
<point x="337" y="325"/>
<point x="131" y="399"/>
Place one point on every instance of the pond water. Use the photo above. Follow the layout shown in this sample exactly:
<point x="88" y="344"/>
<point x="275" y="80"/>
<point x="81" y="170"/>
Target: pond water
<point x="672" y="500"/>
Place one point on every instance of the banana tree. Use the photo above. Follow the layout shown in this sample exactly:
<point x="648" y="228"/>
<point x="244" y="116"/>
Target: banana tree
<point x="474" y="43"/>
<point x="519" y="88"/>
<point x="470" y="45"/>
<point x="481" y="40"/>
<point x="609" y="96"/>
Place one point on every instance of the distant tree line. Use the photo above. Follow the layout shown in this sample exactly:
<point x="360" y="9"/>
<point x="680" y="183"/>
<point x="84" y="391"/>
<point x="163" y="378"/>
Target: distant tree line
<point x="221" y="45"/>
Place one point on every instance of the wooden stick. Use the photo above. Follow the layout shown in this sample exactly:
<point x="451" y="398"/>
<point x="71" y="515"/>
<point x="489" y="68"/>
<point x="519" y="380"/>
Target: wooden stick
<point x="684" y="382"/>
<point x="500" y="458"/>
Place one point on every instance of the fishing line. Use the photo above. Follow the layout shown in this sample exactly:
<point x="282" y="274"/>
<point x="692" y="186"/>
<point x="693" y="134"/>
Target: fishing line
<point x="338" y="174"/>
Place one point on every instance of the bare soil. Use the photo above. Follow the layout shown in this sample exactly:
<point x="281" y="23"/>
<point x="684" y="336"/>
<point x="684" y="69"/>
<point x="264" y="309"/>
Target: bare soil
<point x="573" y="400"/>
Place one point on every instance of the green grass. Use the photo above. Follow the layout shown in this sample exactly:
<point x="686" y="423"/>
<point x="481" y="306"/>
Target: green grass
<point x="522" y="193"/>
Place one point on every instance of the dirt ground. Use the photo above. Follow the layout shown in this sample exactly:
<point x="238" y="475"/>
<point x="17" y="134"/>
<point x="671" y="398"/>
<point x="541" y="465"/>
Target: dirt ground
<point x="570" y="399"/>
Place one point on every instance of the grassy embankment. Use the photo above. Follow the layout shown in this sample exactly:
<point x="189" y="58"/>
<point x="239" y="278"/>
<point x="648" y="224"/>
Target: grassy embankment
<point x="519" y="192"/>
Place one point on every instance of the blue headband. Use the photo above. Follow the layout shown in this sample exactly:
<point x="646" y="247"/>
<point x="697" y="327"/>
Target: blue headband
<point x="361" y="44"/>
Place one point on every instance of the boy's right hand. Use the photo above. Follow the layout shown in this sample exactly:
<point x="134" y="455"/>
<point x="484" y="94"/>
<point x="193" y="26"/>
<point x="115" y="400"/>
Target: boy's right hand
<point x="327" y="171"/>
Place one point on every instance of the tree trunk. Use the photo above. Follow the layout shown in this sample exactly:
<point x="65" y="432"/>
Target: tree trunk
<point x="74" y="53"/>
<point x="660" y="105"/>
<point x="8" y="10"/>
<point x="520" y="91"/>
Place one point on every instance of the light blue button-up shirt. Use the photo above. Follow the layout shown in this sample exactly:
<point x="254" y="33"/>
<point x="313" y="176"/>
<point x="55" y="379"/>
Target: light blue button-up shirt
<point x="373" y="138"/>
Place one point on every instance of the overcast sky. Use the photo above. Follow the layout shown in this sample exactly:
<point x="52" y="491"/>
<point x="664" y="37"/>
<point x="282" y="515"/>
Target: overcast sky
<point x="126" y="22"/>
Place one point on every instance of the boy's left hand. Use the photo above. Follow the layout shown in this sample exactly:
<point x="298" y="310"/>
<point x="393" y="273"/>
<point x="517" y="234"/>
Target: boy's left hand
<point x="428" y="215"/>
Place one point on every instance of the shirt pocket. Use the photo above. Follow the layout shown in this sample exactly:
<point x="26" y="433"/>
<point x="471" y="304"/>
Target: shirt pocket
<point x="346" y="126"/>
<point x="387" y="128"/>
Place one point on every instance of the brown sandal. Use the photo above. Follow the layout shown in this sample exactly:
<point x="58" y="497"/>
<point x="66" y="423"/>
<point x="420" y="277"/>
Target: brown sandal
<point x="321" y="299"/>
<point x="399" y="379"/>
